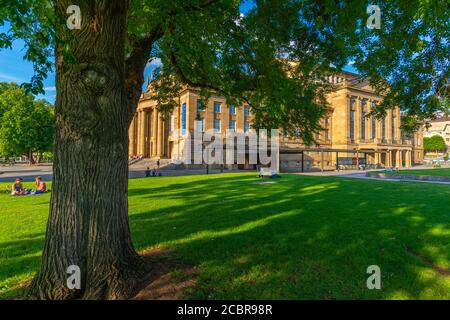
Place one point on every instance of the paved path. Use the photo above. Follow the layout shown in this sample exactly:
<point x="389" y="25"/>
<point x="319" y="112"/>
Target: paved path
<point x="29" y="173"/>
<point x="363" y="176"/>
<point x="354" y="174"/>
<point x="26" y="172"/>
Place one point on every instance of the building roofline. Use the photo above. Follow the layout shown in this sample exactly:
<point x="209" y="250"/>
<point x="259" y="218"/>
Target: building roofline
<point x="440" y="119"/>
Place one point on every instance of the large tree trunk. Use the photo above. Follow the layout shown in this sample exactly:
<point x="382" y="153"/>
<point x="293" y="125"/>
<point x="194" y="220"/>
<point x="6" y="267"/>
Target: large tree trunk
<point x="88" y="221"/>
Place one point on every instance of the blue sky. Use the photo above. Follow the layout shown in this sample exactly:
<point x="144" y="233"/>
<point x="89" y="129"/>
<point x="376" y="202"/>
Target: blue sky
<point x="13" y="68"/>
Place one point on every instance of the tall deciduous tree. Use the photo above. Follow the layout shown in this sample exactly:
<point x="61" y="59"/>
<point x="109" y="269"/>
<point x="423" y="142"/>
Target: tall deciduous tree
<point x="208" y="44"/>
<point x="26" y="125"/>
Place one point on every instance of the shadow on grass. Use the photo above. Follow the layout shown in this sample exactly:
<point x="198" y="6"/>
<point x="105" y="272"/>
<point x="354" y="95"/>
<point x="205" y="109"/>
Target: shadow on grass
<point x="302" y="237"/>
<point x="19" y="259"/>
<point x="299" y="238"/>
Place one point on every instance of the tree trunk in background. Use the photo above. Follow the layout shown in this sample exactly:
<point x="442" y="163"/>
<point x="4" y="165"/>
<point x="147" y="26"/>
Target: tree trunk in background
<point x="88" y="221"/>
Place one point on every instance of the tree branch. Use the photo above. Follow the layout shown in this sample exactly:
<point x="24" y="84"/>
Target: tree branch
<point x="211" y="86"/>
<point x="135" y="65"/>
<point x="190" y="7"/>
<point x="140" y="54"/>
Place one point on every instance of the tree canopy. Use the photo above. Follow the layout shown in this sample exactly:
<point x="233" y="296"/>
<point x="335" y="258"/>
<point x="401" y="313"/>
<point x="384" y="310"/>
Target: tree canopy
<point x="434" y="143"/>
<point x="246" y="56"/>
<point x="26" y="125"/>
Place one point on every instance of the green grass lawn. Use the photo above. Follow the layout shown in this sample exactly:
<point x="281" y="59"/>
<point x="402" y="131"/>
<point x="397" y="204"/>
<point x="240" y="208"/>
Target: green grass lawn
<point x="302" y="237"/>
<point x="443" y="172"/>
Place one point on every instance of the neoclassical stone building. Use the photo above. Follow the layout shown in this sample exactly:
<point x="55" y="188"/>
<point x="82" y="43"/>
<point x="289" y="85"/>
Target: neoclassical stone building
<point x="350" y="137"/>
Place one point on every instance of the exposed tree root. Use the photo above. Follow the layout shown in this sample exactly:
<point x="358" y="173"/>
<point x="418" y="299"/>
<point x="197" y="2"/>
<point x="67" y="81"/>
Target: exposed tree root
<point x="156" y="274"/>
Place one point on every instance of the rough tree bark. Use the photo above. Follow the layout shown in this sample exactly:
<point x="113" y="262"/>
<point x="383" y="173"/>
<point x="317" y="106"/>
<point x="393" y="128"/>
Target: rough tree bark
<point x="88" y="220"/>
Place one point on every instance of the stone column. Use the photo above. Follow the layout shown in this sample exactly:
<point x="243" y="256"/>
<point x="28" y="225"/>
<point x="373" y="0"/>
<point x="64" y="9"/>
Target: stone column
<point x="378" y="135"/>
<point x="146" y="135"/>
<point x="159" y="142"/>
<point x="142" y="133"/>
<point x="131" y="136"/>
<point x="150" y="132"/>
<point x="398" y="133"/>
<point x="394" y="133"/>
<point x="392" y="123"/>
<point x="357" y="128"/>
<point x="138" y="131"/>
<point x="388" y="126"/>
<point x="388" y="159"/>
<point x="155" y="132"/>
<point x="398" y="158"/>
<point x="408" y="159"/>
<point x="163" y="138"/>
<point x="135" y="132"/>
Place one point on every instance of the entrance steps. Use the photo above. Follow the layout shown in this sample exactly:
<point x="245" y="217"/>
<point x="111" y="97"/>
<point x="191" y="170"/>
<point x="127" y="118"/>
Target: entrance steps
<point x="164" y="164"/>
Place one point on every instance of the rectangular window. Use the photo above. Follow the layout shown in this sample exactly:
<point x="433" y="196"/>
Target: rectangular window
<point x="363" y="125"/>
<point x="383" y="128"/>
<point x="232" y="125"/>
<point x="217" y="125"/>
<point x="183" y="118"/>
<point x="352" y="125"/>
<point x="363" y="119"/>
<point x="374" y="120"/>
<point x="352" y="119"/>
<point x="246" y="111"/>
<point x="374" y="127"/>
<point x="232" y="109"/>
<point x="216" y="107"/>
<point x="246" y="126"/>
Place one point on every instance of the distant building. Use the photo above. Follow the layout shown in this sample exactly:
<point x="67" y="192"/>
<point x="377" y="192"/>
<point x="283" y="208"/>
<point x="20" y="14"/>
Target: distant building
<point x="439" y="127"/>
<point x="349" y="137"/>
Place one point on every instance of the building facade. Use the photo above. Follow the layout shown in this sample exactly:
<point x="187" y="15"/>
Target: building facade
<point x="350" y="137"/>
<point x="439" y="127"/>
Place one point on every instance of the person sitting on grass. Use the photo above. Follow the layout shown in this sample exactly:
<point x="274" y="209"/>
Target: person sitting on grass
<point x="41" y="187"/>
<point x="17" y="188"/>
<point x="148" y="173"/>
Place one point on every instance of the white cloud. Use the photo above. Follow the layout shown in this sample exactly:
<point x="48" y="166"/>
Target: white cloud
<point x="49" y="89"/>
<point x="8" y="78"/>
<point x="351" y="63"/>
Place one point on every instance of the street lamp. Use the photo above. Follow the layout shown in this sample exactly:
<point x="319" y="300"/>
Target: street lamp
<point x="199" y="124"/>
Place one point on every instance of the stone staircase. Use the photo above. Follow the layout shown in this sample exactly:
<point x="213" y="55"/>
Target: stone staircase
<point x="165" y="164"/>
